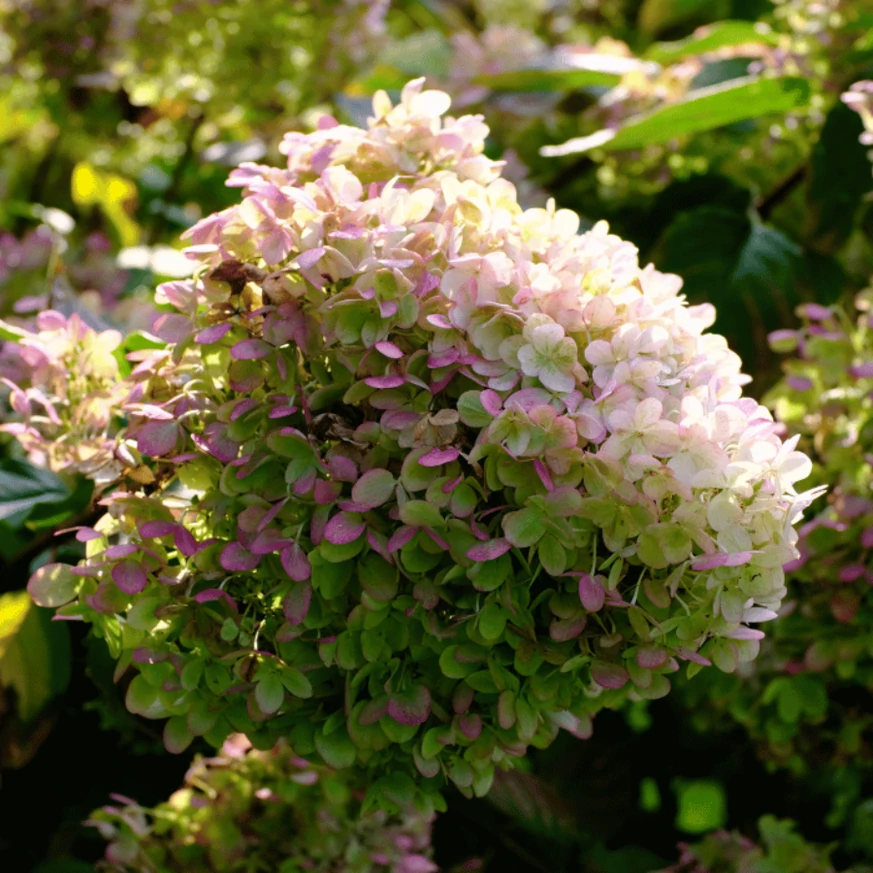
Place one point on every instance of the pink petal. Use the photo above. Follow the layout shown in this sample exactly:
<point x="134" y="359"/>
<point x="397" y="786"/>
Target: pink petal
<point x="470" y="725"/>
<point x="129" y="577"/>
<point x="721" y="559"/>
<point x="591" y="593"/>
<point x="211" y="594"/>
<point x="213" y="333"/>
<point x="186" y="543"/>
<point x="123" y="550"/>
<point x="391" y="381"/>
<point x="158" y="438"/>
<point x="250" y="349"/>
<point x="491" y="401"/>
<point x="172" y="328"/>
<point x="310" y="258"/>
<point x="649" y="659"/>
<point x="608" y="675"/>
<point x="490" y="550"/>
<point x="296" y="604"/>
<point x="543" y="473"/>
<point x="342" y="469"/>
<point x="295" y="562"/>
<point x="242" y="408"/>
<point x="156" y="529"/>
<point x="389" y="350"/>
<point x="343" y="529"/>
<point x="401" y="537"/>
<point x="235" y="558"/>
<point x="437" y="457"/>
<point x="410" y="708"/>
<point x="694" y="657"/>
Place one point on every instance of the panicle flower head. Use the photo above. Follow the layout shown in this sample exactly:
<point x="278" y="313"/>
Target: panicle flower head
<point x="273" y="806"/>
<point x="434" y="476"/>
<point x="63" y="380"/>
<point x="779" y="848"/>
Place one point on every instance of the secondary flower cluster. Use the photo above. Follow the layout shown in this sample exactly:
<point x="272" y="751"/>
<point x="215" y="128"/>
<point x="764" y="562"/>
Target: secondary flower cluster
<point x="780" y="850"/>
<point x="64" y="387"/>
<point x="433" y="476"/>
<point x="271" y="809"/>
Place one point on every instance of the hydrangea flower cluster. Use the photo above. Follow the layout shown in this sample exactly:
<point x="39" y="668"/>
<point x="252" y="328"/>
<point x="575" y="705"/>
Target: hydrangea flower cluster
<point x="780" y="850"/>
<point x="247" y="810"/>
<point x="434" y="476"/>
<point x="65" y="389"/>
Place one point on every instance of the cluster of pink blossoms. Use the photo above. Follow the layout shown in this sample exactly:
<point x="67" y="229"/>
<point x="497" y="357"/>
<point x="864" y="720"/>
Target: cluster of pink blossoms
<point x="434" y="476"/>
<point x="271" y="809"/>
<point x="65" y="389"/>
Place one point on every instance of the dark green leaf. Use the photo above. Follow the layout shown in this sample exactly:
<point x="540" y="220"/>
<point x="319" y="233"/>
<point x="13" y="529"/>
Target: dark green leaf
<point x="23" y="488"/>
<point x="743" y="267"/>
<point x="840" y="177"/>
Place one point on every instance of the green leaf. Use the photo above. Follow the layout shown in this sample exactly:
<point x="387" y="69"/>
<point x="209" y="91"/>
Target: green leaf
<point x="710" y="38"/>
<point x="53" y="585"/>
<point x="192" y="673"/>
<point x="656" y="16"/>
<point x="703" y="109"/>
<point x="482" y="682"/>
<point x="374" y="488"/>
<point x="452" y="667"/>
<point x="524" y="527"/>
<point x="789" y="704"/>
<point x="472" y="411"/>
<point x="295" y="681"/>
<point x="418" y="513"/>
<point x="492" y="621"/>
<point x="490" y="574"/>
<point x="597" y="70"/>
<point x="840" y="177"/>
<point x="552" y="556"/>
<point x="378" y="578"/>
<point x="23" y="488"/>
<point x="270" y="693"/>
<point x="34" y="654"/>
<point x="336" y="749"/>
<point x="702" y="806"/>
<point x="746" y="269"/>
<point x="177" y="736"/>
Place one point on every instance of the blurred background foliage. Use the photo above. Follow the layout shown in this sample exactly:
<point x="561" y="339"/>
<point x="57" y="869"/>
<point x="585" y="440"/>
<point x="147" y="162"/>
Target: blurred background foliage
<point x="709" y="132"/>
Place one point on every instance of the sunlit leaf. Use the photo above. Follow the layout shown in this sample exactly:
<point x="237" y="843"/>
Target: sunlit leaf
<point x="703" y="109"/>
<point x="707" y="39"/>
<point x="34" y="654"/>
<point x="544" y="79"/>
<point x="112" y="193"/>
